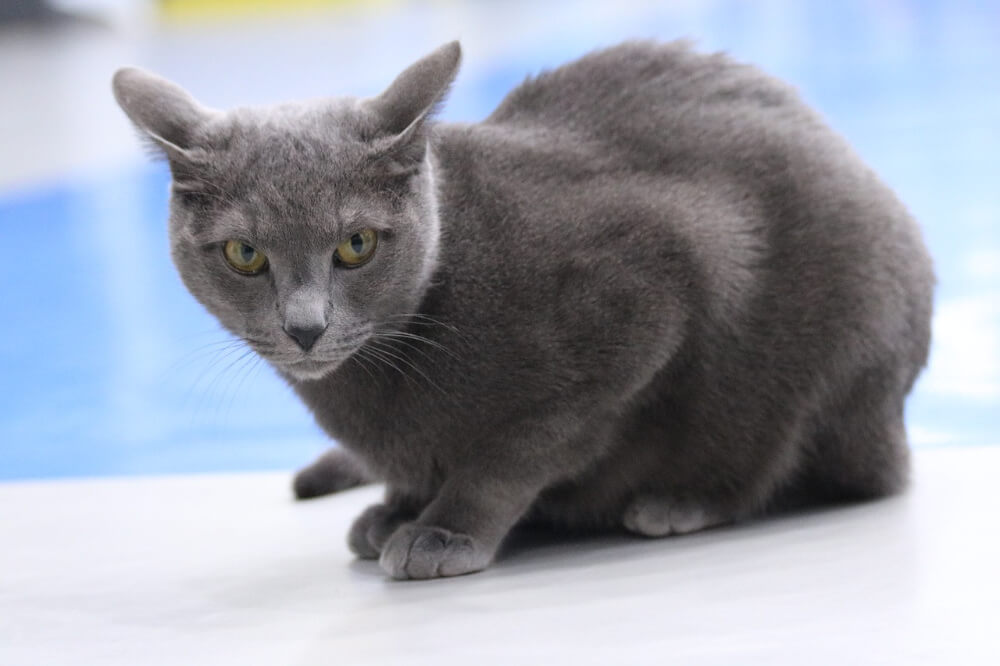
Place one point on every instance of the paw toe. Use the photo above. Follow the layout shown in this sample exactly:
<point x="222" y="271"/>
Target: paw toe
<point x="655" y="517"/>
<point x="422" y="551"/>
<point x="427" y="551"/>
<point x="648" y="518"/>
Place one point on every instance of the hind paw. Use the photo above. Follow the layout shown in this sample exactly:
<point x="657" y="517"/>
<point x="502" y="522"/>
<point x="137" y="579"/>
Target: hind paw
<point x="658" y="517"/>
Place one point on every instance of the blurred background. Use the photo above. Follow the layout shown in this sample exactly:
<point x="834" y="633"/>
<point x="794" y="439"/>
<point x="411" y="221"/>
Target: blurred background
<point x="109" y="367"/>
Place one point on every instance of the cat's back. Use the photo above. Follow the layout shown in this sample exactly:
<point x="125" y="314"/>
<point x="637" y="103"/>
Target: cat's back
<point x="665" y="111"/>
<point x="776" y="209"/>
<point x="620" y="89"/>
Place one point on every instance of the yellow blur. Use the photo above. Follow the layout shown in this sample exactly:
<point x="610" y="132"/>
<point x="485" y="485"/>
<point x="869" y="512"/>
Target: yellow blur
<point x="183" y="10"/>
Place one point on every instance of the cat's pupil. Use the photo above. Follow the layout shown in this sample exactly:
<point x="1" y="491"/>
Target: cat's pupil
<point x="357" y="243"/>
<point x="247" y="252"/>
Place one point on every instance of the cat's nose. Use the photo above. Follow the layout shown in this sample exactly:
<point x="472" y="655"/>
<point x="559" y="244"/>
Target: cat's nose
<point x="305" y="335"/>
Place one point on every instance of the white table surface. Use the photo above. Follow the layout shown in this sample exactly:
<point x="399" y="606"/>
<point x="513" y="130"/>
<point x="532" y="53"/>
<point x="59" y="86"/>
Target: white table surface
<point x="228" y="569"/>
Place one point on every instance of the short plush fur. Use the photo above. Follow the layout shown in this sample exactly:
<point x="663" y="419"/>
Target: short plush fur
<point x="651" y="291"/>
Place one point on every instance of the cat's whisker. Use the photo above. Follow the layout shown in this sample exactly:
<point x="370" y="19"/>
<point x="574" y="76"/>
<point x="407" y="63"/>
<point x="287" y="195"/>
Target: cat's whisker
<point x="204" y="333"/>
<point x="225" y="379"/>
<point x="408" y="345"/>
<point x="400" y="336"/>
<point x="379" y="358"/>
<point x="222" y="404"/>
<point x="222" y="373"/>
<point x="226" y="353"/>
<point x="244" y="372"/>
<point x="386" y="360"/>
<point x="366" y="353"/>
<point x="402" y="358"/>
<point x="425" y="320"/>
<point x="198" y="353"/>
<point x="362" y="362"/>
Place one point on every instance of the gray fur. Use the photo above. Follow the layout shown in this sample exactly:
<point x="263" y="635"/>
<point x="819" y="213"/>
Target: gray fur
<point x="334" y="471"/>
<point x="652" y="285"/>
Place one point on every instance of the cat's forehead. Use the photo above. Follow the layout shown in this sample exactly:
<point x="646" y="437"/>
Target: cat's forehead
<point x="328" y="119"/>
<point x="312" y="138"/>
<point x="295" y="174"/>
<point x="296" y="210"/>
<point x="294" y="158"/>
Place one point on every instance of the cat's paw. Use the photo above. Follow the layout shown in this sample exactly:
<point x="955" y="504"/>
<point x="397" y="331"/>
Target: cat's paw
<point x="372" y="529"/>
<point x="423" y="551"/>
<point x="332" y="472"/>
<point x="658" y="517"/>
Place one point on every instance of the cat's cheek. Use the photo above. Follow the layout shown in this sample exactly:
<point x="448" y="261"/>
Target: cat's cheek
<point x="392" y="283"/>
<point x="237" y="302"/>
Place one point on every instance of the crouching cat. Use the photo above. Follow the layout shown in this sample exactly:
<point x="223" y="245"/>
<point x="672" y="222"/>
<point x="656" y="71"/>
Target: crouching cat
<point x="651" y="291"/>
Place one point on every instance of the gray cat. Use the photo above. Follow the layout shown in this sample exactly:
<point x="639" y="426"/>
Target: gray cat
<point x="651" y="291"/>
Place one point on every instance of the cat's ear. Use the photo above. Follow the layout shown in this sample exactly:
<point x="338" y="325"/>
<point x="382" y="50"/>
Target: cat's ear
<point x="402" y="111"/>
<point x="165" y="114"/>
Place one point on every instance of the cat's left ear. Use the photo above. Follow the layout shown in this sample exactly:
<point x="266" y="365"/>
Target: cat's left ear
<point x="166" y="115"/>
<point x="402" y="111"/>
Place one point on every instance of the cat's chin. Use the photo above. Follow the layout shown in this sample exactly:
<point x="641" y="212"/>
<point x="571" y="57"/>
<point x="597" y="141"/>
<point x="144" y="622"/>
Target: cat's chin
<point x="309" y="371"/>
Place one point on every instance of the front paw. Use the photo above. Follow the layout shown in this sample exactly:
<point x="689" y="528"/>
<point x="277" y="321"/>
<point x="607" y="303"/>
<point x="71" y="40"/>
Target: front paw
<point x="423" y="551"/>
<point x="373" y="528"/>
<point x="334" y="471"/>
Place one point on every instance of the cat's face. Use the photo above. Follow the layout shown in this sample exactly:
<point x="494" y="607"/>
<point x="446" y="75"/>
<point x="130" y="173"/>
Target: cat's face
<point x="305" y="229"/>
<point x="295" y="242"/>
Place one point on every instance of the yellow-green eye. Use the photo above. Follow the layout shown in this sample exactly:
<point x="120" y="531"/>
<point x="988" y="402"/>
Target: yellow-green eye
<point x="357" y="249"/>
<point x="244" y="258"/>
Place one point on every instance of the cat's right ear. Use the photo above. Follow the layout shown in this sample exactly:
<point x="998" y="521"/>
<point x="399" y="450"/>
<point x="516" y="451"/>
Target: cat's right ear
<point x="403" y="110"/>
<point x="165" y="114"/>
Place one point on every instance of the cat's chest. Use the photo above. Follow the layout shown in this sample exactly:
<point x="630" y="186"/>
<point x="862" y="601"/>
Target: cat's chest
<point x="388" y="416"/>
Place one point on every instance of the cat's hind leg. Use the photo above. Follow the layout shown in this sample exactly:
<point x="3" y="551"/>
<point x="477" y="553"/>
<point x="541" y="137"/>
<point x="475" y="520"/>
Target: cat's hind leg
<point x="332" y="472"/>
<point x="860" y="451"/>
<point x="653" y="516"/>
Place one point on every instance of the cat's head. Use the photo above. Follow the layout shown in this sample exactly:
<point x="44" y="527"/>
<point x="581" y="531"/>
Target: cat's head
<point x="303" y="228"/>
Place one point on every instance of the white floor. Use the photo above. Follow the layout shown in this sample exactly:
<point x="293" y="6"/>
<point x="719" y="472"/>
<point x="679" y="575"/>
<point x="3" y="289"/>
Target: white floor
<point x="227" y="569"/>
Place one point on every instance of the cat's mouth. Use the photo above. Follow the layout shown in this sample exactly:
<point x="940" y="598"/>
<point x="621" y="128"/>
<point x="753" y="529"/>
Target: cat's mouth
<point x="311" y="368"/>
<point x="317" y="363"/>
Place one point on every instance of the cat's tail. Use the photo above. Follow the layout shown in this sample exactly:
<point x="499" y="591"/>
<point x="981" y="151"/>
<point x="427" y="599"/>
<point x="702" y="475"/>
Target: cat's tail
<point x="332" y="472"/>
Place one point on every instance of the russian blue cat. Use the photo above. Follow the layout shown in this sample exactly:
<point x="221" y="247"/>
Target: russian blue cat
<point x="652" y="291"/>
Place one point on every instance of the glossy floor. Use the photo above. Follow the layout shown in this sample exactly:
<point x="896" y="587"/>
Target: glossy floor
<point x="107" y="366"/>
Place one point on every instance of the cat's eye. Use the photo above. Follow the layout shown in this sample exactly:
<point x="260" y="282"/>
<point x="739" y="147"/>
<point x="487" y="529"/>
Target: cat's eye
<point x="357" y="249"/>
<point x="244" y="258"/>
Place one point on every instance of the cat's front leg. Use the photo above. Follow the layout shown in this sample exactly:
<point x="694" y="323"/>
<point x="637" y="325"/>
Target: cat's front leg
<point x="332" y="472"/>
<point x="460" y="530"/>
<point x="371" y="530"/>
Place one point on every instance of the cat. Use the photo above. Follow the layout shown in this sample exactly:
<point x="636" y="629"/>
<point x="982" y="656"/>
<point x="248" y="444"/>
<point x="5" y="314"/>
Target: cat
<point x="651" y="292"/>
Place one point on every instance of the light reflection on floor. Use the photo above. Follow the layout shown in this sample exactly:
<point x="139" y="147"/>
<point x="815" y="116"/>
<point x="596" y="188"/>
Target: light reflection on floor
<point x="109" y="367"/>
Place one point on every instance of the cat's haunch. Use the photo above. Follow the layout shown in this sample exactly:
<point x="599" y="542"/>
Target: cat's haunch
<point x="652" y="291"/>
